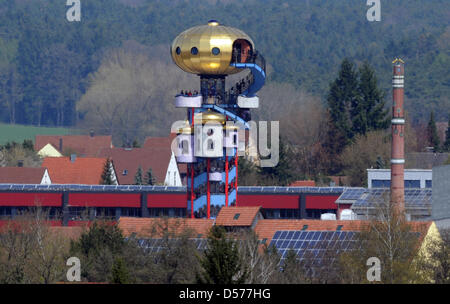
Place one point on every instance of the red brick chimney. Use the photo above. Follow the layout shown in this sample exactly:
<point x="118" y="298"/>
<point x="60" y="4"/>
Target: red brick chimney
<point x="398" y="137"/>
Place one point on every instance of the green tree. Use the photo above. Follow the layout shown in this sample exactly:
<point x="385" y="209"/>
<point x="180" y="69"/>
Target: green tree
<point x="221" y="263"/>
<point x="106" y="178"/>
<point x="98" y="248"/>
<point x="370" y="114"/>
<point x="433" y="137"/>
<point x="119" y="272"/>
<point x="149" y="179"/>
<point x="138" y="179"/>
<point x="342" y="97"/>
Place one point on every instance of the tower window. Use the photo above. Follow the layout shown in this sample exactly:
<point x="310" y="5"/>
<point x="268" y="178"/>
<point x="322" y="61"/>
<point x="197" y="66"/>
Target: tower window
<point x="210" y="132"/>
<point x="178" y="50"/>
<point x="215" y="51"/>
<point x="185" y="146"/>
<point x="194" y="51"/>
<point x="210" y="144"/>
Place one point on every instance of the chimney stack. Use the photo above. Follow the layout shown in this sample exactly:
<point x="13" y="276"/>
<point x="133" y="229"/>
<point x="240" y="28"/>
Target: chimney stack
<point x="91" y="133"/>
<point x="61" y="145"/>
<point x="398" y="137"/>
<point x="73" y="158"/>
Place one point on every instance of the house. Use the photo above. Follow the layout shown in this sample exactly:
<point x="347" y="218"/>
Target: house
<point x="82" y="145"/>
<point x="23" y="175"/>
<point x="77" y="170"/>
<point x="303" y="183"/>
<point x="155" y="227"/>
<point x="414" y="178"/>
<point x="160" y="159"/>
<point x="238" y="217"/>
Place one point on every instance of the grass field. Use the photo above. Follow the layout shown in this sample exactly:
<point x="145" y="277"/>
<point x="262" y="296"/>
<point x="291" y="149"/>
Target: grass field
<point x="19" y="133"/>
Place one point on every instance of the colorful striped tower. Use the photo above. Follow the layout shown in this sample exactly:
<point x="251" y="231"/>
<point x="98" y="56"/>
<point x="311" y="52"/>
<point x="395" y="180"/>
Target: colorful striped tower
<point x="208" y="142"/>
<point x="398" y="137"/>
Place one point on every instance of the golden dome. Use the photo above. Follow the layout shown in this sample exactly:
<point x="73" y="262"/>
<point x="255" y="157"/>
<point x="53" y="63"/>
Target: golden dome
<point x="231" y="128"/>
<point x="207" y="49"/>
<point x="210" y="116"/>
<point x="186" y="129"/>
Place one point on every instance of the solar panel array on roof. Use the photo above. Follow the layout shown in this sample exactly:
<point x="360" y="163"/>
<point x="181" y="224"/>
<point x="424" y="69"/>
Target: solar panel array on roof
<point x="413" y="198"/>
<point x="324" y="190"/>
<point x="313" y="246"/>
<point x="157" y="245"/>
<point x="95" y="188"/>
<point x="352" y="193"/>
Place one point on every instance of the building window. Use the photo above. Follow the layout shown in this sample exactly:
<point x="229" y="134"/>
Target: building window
<point x="210" y="144"/>
<point x="236" y="216"/>
<point x="131" y="212"/>
<point x="381" y="183"/>
<point x="178" y="50"/>
<point x="429" y="184"/>
<point x="185" y="147"/>
<point x="412" y="183"/>
<point x="215" y="51"/>
<point x="194" y="51"/>
<point x="125" y="172"/>
<point x="5" y="212"/>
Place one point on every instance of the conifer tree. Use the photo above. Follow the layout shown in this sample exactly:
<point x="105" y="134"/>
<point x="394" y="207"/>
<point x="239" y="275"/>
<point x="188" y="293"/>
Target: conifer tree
<point x="149" y="179"/>
<point x="343" y="95"/>
<point x="370" y="114"/>
<point x="106" y="178"/>
<point x="138" y="180"/>
<point x="119" y="272"/>
<point x="433" y="137"/>
<point x="221" y="263"/>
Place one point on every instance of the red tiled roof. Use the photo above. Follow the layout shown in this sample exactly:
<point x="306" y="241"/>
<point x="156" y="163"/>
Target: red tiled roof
<point x="303" y="183"/>
<point x="228" y="216"/>
<point x="151" y="142"/>
<point x="21" y="175"/>
<point x="82" y="145"/>
<point x="130" y="159"/>
<point x="154" y="227"/>
<point x="86" y="171"/>
<point x="72" y="233"/>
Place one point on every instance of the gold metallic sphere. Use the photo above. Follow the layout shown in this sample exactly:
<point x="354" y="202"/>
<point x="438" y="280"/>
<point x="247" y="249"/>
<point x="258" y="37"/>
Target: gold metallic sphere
<point x="211" y="117"/>
<point x="207" y="49"/>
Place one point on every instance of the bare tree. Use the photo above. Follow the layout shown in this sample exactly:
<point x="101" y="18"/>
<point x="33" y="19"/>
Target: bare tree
<point x="391" y="239"/>
<point x="132" y="95"/>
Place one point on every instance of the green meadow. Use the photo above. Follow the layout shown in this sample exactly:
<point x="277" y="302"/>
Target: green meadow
<point x="19" y="133"/>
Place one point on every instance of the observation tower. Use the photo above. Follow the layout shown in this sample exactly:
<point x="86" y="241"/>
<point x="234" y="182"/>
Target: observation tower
<point x="211" y="138"/>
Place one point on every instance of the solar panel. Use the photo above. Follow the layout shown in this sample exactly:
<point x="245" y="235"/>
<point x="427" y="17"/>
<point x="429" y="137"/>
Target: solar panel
<point x="352" y="193"/>
<point x="413" y="197"/>
<point x="155" y="245"/>
<point x="313" y="246"/>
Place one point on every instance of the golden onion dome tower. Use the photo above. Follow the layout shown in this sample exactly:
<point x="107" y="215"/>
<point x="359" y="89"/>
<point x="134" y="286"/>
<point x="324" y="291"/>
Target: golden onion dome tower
<point x="209" y="141"/>
<point x="208" y="49"/>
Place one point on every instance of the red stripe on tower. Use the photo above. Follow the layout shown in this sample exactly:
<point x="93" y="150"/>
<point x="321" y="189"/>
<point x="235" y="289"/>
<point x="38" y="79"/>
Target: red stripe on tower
<point x="398" y="137"/>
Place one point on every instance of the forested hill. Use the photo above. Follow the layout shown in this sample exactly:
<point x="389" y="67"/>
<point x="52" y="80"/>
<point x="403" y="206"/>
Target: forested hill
<point x="45" y="61"/>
